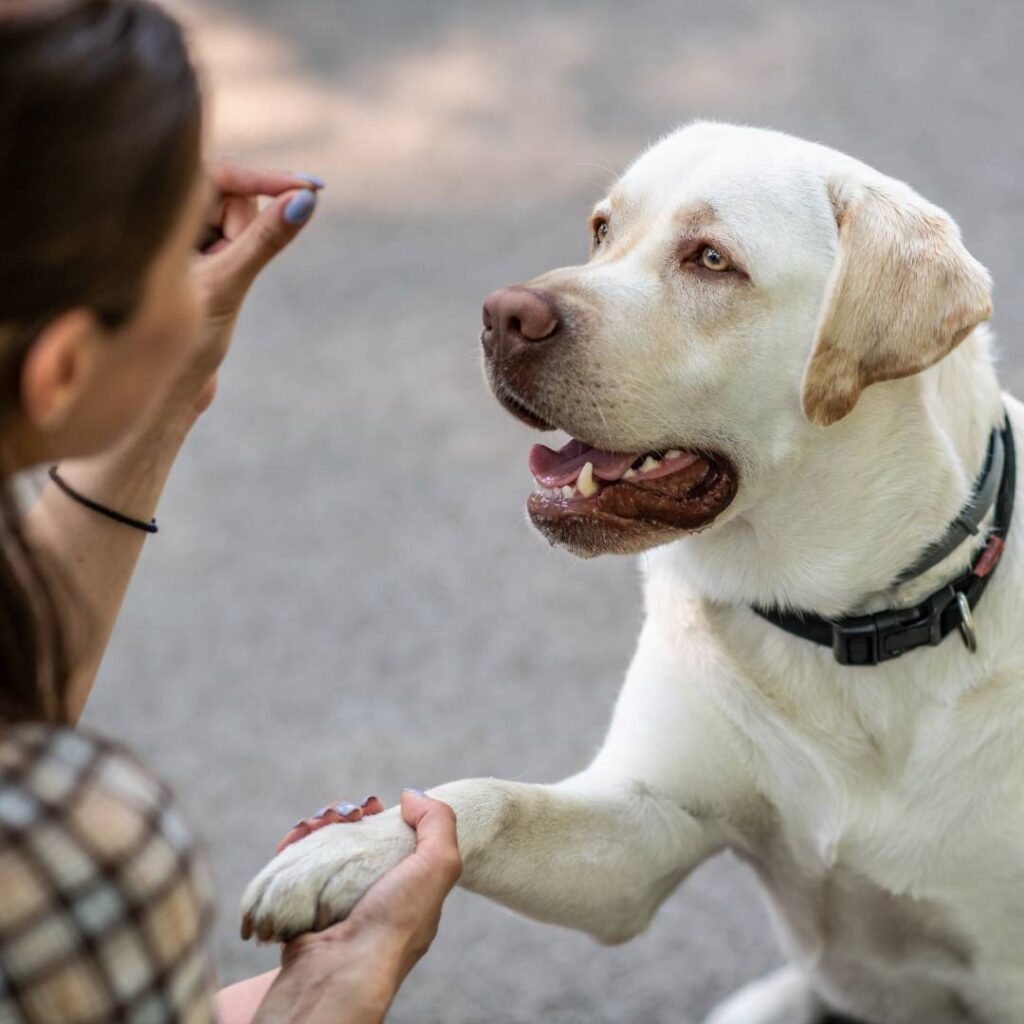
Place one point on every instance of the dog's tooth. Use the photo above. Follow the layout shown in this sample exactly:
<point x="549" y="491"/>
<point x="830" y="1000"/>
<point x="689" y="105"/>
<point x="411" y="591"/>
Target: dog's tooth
<point x="629" y="474"/>
<point x="649" y="463"/>
<point x="673" y="453"/>
<point x="585" y="482"/>
<point x="568" y="491"/>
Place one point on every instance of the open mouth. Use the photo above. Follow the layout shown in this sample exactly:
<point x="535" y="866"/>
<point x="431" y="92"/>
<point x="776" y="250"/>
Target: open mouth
<point x="592" y="500"/>
<point x="669" y="489"/>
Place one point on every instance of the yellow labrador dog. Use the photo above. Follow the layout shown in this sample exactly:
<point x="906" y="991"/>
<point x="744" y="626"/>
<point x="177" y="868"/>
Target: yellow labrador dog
<point x="777" y="383"/>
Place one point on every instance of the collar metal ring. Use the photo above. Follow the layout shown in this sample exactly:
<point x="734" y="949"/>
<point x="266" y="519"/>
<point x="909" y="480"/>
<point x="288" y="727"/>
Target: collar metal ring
<point x="967" y="630"/>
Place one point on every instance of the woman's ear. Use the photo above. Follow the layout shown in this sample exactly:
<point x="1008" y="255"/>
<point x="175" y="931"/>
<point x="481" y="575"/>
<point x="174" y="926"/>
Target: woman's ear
<point x="903" y="292"/>
<point x="58" y="367"/>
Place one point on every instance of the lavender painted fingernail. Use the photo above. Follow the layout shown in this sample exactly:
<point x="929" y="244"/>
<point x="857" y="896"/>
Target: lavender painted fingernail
<point x="322" y="811"/>
<point x="416" y="792"/>
<point x="345" y="809"/>
<point x="300" y="208"/>
<point x="367" y="799"/>
<point x="313" y="179"/>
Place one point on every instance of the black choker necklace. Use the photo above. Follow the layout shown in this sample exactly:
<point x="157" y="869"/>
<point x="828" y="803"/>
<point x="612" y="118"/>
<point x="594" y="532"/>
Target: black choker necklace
<point x="871" y="639"/>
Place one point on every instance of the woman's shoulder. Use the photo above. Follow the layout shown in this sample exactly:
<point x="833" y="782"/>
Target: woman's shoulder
<point x="44" y="769"/>
<point x="79" y="800"/>
<point x="106" y="896"/>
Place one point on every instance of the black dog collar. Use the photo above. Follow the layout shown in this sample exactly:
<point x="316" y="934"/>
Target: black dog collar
<point x="871" y="639"/>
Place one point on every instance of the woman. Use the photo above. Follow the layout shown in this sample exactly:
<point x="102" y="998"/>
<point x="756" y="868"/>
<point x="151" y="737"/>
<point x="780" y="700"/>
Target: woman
<point x="112" y="330"/>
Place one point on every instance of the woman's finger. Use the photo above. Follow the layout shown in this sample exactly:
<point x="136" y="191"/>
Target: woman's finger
<point x="333" y="814"/>
<point x="239" y="213"/>
<point x="237" y="178"/>
<point x="232" y="269"/>
<point x="230" y="216"/>
<point x="437" y="838"/>
<point x="346" y="813"/>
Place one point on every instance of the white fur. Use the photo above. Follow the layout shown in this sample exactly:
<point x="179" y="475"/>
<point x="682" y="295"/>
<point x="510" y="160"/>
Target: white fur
<point x="883" y="808"/>
<point x="782" y="997"/>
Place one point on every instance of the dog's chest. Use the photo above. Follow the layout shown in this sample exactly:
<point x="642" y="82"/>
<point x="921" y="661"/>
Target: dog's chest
<point x="893" y="861"/>
<point x="879" y="955"/>
<point x="890" y="830"/>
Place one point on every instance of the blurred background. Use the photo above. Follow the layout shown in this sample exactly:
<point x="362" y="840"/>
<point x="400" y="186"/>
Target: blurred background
<point x="344" y="597"/>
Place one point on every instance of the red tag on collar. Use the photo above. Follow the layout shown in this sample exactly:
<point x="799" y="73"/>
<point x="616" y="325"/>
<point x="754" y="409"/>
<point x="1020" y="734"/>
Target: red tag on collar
<point x="989" y="557"/>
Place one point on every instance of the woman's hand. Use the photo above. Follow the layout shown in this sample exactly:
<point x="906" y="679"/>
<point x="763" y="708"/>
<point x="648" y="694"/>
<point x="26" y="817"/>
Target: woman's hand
<point x="332" y="814"/>
<point x="349" y="973"/>
<point x="241" y="240"/>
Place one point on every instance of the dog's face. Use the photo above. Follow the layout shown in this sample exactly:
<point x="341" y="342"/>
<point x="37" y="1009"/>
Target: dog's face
<point x="743" y="288"/>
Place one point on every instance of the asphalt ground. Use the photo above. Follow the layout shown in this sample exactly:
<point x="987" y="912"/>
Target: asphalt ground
<point x="344" y="596"/>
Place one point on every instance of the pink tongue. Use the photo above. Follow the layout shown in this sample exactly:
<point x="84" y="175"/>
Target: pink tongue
<point x="555" y="469"/>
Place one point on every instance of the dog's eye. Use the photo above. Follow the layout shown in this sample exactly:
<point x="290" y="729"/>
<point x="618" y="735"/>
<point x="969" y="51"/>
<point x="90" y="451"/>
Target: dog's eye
<point x="600" y="232"/>
<point x="711" y="258"/>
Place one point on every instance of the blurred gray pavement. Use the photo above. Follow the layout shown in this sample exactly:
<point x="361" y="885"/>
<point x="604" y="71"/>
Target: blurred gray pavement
<point x="344" y="596"/>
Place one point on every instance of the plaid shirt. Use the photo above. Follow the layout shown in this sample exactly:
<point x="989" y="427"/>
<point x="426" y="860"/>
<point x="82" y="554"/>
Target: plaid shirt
<point x="104" y="904"/>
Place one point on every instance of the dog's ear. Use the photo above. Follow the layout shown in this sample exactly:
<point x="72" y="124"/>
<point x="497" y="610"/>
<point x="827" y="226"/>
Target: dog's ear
<point x="903" y="292"/>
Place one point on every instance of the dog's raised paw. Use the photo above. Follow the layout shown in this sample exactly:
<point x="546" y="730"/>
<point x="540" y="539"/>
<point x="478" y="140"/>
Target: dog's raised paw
<point x="317" y="880"/>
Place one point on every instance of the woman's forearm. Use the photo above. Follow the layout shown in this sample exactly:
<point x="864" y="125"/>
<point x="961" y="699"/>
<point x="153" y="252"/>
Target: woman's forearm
<point x="98" y="555"/>
<point x="95" y="554"/>
<point x="238" y="1003"/>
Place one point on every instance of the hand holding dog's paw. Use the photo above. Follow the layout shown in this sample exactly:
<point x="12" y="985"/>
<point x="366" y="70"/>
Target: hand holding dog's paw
<point x="319" y="875"/>
<point x="317" y="880"/>
<point x="353" y="969"/>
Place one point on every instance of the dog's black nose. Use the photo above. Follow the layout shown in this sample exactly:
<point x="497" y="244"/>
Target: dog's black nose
<point x="516" y="317"/>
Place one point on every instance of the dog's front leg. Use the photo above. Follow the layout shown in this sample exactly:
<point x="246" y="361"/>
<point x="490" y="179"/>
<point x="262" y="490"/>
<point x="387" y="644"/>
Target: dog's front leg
<point x="599" y="851"/>
<point x="588" y="853"/>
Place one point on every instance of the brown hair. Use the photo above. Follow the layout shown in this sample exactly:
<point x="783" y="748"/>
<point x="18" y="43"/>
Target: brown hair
<point x="100" y="130"/>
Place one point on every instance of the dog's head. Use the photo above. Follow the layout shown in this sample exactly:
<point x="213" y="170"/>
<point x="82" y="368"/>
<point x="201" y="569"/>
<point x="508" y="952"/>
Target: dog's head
<point x="743" y="289"/>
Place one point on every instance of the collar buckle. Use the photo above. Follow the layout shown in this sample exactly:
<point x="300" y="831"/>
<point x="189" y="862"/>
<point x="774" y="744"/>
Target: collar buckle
<point x="872" y="639"/>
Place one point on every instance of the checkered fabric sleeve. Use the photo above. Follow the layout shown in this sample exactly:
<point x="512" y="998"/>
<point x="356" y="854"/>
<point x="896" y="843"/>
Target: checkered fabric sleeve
<point x="104" y="902"/>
